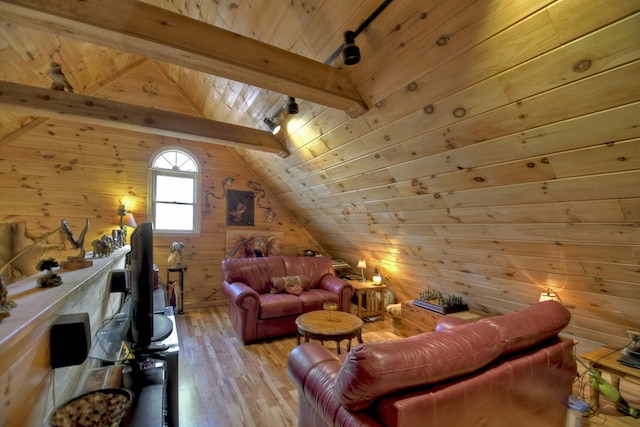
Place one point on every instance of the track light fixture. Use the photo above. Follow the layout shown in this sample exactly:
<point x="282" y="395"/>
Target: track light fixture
<point x="273" y="127"/>
<point x="351" y="56"/>
<point x="351" y="52"/>
<point x="292" y="106"/>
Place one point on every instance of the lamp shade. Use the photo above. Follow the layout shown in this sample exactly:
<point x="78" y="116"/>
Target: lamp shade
<point x="549" y="296"/>
<point x="362" y="264"/>
<point x="129" y="220"/>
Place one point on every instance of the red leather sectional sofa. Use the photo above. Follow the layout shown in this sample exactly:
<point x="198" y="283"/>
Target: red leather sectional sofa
<point x="501" y="371"/>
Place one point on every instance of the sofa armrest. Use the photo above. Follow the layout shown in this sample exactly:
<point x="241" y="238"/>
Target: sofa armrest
<point x="340" y="287"/>
<point x="244" y="305"/>
<point x="241" y="295"/>
<point x="314" y="369"/>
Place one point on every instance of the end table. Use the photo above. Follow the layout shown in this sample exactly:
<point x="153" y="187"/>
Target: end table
<point x="179" y="292"/>
<point x="369" y="289"/>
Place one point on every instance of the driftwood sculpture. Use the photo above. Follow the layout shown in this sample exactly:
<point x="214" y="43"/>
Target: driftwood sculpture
<point x="18" y="251"/>
<point x="5" y="303"/>
<point x="78" y="261"/>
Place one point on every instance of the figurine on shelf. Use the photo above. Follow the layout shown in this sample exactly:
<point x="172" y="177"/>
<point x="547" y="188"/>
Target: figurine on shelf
<point x="103" y="247"/>
<point x="175" y="255"/>
<point x="51" y="279"/>
<point x="5" y="303"/>
<point x="78" y="261"/>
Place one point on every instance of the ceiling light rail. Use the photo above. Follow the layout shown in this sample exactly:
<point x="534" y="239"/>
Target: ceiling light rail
<point x="351" y="56"/>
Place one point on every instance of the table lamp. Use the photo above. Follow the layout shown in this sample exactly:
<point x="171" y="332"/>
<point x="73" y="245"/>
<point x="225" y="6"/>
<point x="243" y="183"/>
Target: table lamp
<point x="362" y="265"/>
<point x="377" y="278"/>
<point x="549" y="295"/>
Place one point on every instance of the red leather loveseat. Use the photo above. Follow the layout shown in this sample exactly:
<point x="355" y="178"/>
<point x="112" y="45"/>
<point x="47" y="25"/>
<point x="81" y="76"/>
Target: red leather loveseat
<point x="260" y="305"/>
<point x="502" y="371"/>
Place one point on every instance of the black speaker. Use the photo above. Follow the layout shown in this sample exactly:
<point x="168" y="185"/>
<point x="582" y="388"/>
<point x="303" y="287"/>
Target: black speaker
<point x="70" y="339"/>
<point x="119" y="280"/>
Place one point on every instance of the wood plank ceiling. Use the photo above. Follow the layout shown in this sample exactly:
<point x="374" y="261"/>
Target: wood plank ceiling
<point x="499" y="157"/>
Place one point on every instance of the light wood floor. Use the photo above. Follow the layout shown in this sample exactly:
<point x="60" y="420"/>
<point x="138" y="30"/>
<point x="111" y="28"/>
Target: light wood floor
<point x="225" y="383"/>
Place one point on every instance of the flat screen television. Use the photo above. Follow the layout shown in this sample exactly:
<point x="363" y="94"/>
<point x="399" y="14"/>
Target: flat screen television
<point x="144" y="326"/>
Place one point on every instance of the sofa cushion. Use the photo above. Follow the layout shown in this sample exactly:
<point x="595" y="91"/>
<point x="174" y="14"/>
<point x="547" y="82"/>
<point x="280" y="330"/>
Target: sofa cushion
<point x="531" y="325"/>
<point x="280" y="284"/>
<point x="254" y="272"/>
<point x="312" y="267"/>
<point x="379" y="368"/>
<point x="373" y="370"/>
<point x="279" y="305"/>
<point x="314" y="299"/>
<point x="294" y="290"/>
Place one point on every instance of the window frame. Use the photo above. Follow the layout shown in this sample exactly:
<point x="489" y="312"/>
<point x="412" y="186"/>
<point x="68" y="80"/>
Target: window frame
<point x="195" y="176"/>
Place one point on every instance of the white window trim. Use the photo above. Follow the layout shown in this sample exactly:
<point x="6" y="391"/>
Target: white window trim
<point x="197" y="177"/>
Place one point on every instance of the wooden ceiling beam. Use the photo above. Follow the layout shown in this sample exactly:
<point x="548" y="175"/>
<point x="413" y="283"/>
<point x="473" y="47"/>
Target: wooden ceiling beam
<point x="161" y="35"/>
<point x="23" y="99"/>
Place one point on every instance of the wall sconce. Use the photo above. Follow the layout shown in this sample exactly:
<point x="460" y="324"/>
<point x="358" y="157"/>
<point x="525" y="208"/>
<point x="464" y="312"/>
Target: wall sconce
<point x="225" y="183"/>
<point x="377" y="278"/>
<point x="549" y="295"/>
<point x="269" y="214"/>
<point x="362" y="265"/>
<point x="273" y="127"/>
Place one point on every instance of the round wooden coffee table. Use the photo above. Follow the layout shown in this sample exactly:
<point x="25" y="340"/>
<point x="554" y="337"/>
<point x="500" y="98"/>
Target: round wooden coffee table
<point x="324" y="325"/>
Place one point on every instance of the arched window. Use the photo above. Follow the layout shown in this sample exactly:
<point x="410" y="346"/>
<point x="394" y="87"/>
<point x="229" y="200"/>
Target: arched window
<point x="174" y="189"/>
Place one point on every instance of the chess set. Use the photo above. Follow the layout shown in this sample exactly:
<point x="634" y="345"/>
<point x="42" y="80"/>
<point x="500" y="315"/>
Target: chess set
<point x="440" y="303"/>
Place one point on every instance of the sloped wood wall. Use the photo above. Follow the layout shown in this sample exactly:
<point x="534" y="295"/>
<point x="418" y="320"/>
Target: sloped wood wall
<point x="56" y="169"/>
<point x="500" y="158"/>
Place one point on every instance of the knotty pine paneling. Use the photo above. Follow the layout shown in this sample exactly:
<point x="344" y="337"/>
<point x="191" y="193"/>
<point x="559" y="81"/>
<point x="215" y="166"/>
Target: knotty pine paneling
<point x="67" y="170"/>
<point x="497" y="161"/>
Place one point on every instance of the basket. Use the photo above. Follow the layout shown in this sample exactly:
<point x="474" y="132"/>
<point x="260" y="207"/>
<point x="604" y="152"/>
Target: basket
<point x="99" y="408"/>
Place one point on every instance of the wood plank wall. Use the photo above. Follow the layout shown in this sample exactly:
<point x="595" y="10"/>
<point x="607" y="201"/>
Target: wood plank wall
<point x="501" y="157"/>
<point x="31" y="389"/>
<point x="68" y="170"/>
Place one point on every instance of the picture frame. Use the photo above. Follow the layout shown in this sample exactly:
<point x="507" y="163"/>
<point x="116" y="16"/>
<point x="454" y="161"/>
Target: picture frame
<point x="240" y="208"/>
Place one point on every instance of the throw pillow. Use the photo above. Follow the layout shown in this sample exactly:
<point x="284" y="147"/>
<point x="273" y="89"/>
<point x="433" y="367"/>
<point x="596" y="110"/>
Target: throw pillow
<point x="293" y="289"/>
<point x="280" y="284"/>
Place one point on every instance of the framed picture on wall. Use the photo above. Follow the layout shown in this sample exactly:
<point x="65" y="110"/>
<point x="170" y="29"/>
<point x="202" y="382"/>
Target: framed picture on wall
<point x="240" y="207"/>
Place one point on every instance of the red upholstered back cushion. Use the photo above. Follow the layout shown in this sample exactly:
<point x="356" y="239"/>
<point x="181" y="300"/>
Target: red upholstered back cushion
<point x="531" y="325"/>
<point x="380" y="368"/>
<point x="254" y="272"/>
<point x="312" y="267"/>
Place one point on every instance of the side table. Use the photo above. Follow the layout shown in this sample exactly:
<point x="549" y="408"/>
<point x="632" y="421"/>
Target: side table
<point x="605" y="359"/>
<point x="370" y="291"/>
<point x="179" y="291"/>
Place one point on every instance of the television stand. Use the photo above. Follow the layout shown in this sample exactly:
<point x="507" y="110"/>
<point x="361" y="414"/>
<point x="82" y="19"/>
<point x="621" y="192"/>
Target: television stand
<point x="165" y="351"/>
<point x="157" y="383"/>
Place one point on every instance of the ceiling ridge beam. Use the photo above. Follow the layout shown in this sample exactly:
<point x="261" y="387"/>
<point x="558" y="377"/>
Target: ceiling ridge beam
<point x="32" y="100"/>
<point x="159" y="34"/>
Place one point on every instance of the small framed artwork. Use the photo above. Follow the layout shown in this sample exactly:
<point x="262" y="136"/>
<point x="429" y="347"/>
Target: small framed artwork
<point x="240" y="207"/>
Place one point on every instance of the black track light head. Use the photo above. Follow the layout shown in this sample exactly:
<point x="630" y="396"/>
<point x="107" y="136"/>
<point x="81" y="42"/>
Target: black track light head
<point x="351" y="52"/>
<point x="273" y="127"/>
<point x="292" y="106"/>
